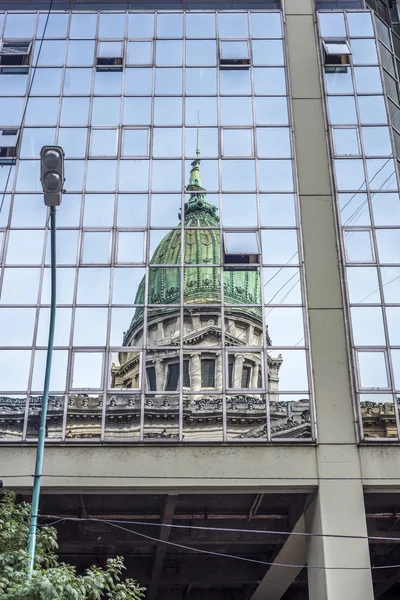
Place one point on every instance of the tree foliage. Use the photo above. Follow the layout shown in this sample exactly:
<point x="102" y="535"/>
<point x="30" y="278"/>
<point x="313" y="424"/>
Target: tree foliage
<point x="51" y="579"/>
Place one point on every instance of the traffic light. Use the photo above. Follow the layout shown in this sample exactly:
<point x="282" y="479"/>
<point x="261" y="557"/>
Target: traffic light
<point x="52" y="174"/>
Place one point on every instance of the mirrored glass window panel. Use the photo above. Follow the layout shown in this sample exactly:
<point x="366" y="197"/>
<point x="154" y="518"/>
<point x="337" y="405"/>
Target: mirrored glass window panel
<point x="208" y="240"/>
<point x="122" y="417"/>
<point x="74" y="111"/>
<point x="5" y="211"/>
<point x="130" y="247"/>
<point x="268" y="52"/>
<point x="14" y="369"/>
<point x="42" y="111"/>
<point x="200" y="81"/>
<point x="108" y="83"/>
<point x="168" y="111"/>
<point x="58" y="373"/>
<point x="170" y="25"/>
<point x="273" y="142"/>
<point x="378" y="416"/>
<point x="13" y="86"/>
<point x="17" y="326"/>
<point x="332" y="25"/>
<point x="359" y="246"/>
<point x="238" y="142"/>
<point x="269" y="81"/>
<point x="137" y="111"/>
<point x="238" y="175"/>
<point x="124" y="369"/>
<point x="25" y="247"/>
<point x="368" y="80"/>
<point x="20" y="286"/>
<point x="104" y="142"/>
<point x="28" y="211"/>
<point x="386" y="208"/>
<point x="134" y="176"/>
<point x="161" y="418"/>
<point x="235" y="111"/>
<point x="201" y="53"/>
<point x="275" y="175"/>
<point x="132" y="210"/>
<point x="206" y="108"/>
<point x="126" y="286"/>
<point x="265" y="25"/>
<point x="52" y="53"/>
<point x="45" y="81"/>
<point x="350" y="174"/>
<point x="281" y="286"/>
<point x="239" y="210"/>
<point x="11" y="111"/>
<point x="101" y="175"/>
<point x="387" y="242"/>
<point x="126" y="327"/>
<point x="393" y="322"/>
<point x="395" y="354"/>
<point x="235" y="82"/>
<point x="112" y="25"/>
<point x="55" y="414"/>
<point x="141" y="25"/>
<point x="271" y="111"/>
<point x="83" y="25"/>
<point x="372" y="369"/>
<point x="394" y="114"/>
<point x="372" y="109"/>
<point x="202" y="418"/>
<point x="168" y="81"/>
<point x="279" y="246"/>
<point x="167" y="142"/>
<point x="164" y="285"/>
<point x="364" y="52"/>
<point x="244" y="369"/>
<point x="208" y="141"/>
<point x="387" y="60"/>
<point x="20" y="25"/>
<point x="106" y="111"/>
<point x="277" y="210"/>
<point x="374" y="334"/>
<point x="96" y="246"/>
<point x="165" y="209"/>
<point x="342" y="110"/>
<point x="339" y="81"/>
<point x="138" y="82"/>
<point x="354" y="209"/>
<point x="84" y="413"/>
<point x="67" y="242"/>
<point x="65" y="286"/>
<point x="291" y="369"/>
<point x="167" y="174"/>
<point x="290" y="416"/>
<point x="199" y="321"/>
<point x="200" y="25"/>
<point x="345" y="140"/>
<point x="232" y="25"/>
<point x="140" y="53"/>
<point x="285" y="327"/>
<point x="240" y="329"/>
<point x="93" y="286"/>
<point x="391" y="86"/>
<point x="360" y="24"/>
<point x="62" y="327"/>
<point x="34" y="139"/>
<point x="13" y="413"/>
<point x="7" y="175"/>
<point x="363" y="285"/>
<point x="99" y="210"/>
<point x="381" y="174"/>
<point x="377" y="141"/>
<point x="74" y="172"/>
<point x="169" y="53"/>
<point x="90" y="326"/>
<point x="209" y="173"/>
<point x="80" y="53"/>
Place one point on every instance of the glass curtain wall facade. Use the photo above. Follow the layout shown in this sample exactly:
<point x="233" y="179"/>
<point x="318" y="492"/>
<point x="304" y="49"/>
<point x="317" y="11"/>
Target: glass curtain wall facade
<point x="368" y="210"/>
<point x="181" y="308"/>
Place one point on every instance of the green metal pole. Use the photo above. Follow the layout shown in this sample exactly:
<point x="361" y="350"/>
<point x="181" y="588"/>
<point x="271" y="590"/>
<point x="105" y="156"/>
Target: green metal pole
<point x="43" y="417"/>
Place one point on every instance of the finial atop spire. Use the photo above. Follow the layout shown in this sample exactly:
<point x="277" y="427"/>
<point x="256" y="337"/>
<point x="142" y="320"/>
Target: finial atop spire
<point x="198" y="135"/>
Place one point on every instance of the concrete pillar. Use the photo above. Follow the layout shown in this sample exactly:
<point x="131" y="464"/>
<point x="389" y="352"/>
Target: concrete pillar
<point x="195" y="372"/>
<point x="338" y="509"/>
<point x="254" y="376"/>
<point x="238" y="370"/>
<point x="218" y="371"/>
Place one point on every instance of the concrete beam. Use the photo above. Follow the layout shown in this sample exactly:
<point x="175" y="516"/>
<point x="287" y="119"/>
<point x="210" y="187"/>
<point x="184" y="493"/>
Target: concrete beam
<point x="166" y="519"/>
<point x="278" y="579"/>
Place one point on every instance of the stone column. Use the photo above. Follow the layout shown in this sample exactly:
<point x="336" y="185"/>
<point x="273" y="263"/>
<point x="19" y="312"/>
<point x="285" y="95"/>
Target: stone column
<point x="218" y="371"/>
<point x="254" y="376"/>
<point x="238" y="370"/>
<point x="195" y="372"/>
<point x="160" y="374"/>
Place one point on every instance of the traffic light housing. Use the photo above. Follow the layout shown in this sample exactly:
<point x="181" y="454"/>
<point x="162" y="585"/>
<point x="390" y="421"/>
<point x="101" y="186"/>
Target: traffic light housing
<point x="52" y="174"/>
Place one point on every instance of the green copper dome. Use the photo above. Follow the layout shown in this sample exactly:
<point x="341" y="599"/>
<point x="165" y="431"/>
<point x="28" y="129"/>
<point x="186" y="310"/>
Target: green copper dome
<point x="201" y="247"/>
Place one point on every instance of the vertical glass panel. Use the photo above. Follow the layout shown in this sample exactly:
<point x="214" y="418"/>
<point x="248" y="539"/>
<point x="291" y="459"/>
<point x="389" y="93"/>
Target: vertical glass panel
<point x="161" y="417"/>
<point x="80" y="53"/>
<point x="238" y="175"/>
<point x="16" y="325"/>
<point x="281" y="286"/>
<point x="168" y="111"/>
<point x="368" y="80"/>
<point x="269" y="81"/>
<point x="45" y="81"/>
<point x="137" y="111"/>
<point x="234" y="82"/>
<point x="34" y="139"/>
<point x="237" y="142"/>
<point x="364" y="52"/>
<point x="140" y="53"/>
<point x="273" y="142"/>
<point x="381" y="174"/>
<point x="277" y="209"/>
<point x="54" y="421"/>
<point x="167" y="174"/>
<point x="202" y="418"/>
<point x="360" y="24"/>
<point x="141" y="25"/>
<point x="77" y="81"/>
<point x="13" y="86"/>
<point x="391" y="86"/>
<point x="42" y="111"/>
<point x="132" y="210"/>
<point x="13" y="414"/>
<point x="73" y="141"/>
<point x="200" y="25"/>
<point x="138" y="82"/>
<point x="268" y="52"/>
<point x="11" y="111"/>
<point x="96" y="247"/>
<point x="167" y="142"/>
<point x="363" y="285"/>
<point x="124" y="369"/>
<point x="275" y="175"/>
<point x="387" y="60"/>
<point x="372" y="109"/>
<point x="339" y="82"/>
<point x="134" y="176"/>
<point x="52" y="53"/>
<point x="101" y="175"/>
<point x="122" y="417"/>
<point x="354" y="209"/>
<point x="342" y="110"/>
<point x="378" y="416"/>
<point x="135" y="142"/>
<point x="104" y="142"/>
<point x="65" y="286"/>
<point x="291" y="367"/>
<point x="58" y="370"/>
<point x="126" y="287"/>
<point x="233" y="111"/>
<point x="271" y="111"/>
<point x="20" y="25"/>
<point x="112" y="25"/>
<point x="279" y="246"/>
<point x="373" y="334"/>
<point x="93" y="286"/>
<point x="350" y="174"/>
<point x="332" y="25"/>
<point x="358" y="246"/>
<point x="201" y="53"/>
<point x="208" y="142"/>
<point x="232" y="25"/>
<point x="74" y="111"/>
<point x="168" y="81"/>
<point x="106" y="111"/>
<point x="386" y="209"/>
<point x="14" y="369"/>
<point x="377" y="141"/>
<point x="393" y="321"/>
<point x="372" y="369"/>
<point x="169" y="52"/>
<point x="396" y="367"/>
<point x="200" y="81"/>
<point x="170" y="25"/>
<point x="108" y="82"/>
<point x="233" y="213"/>
<point x="346" y="141"/>
<point x="20" y="286"/>
<point x="62" y="327"/>
<point x="165" y="209"/>
<point x="124" y="330"/>
<point x="90" y="326"/>
<point x="83" y="25"/>
<point x="84" y="415"/>
<point x="25" y="247"/>
<point x="130" y="247"/>
<point x="266" y="25"/>
<point x="285" y="327"/>
<point x="28" y="211"/>
<point x="387" y="242"/>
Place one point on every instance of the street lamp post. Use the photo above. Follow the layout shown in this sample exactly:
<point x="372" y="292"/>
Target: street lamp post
<point x="52" y="179"/>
